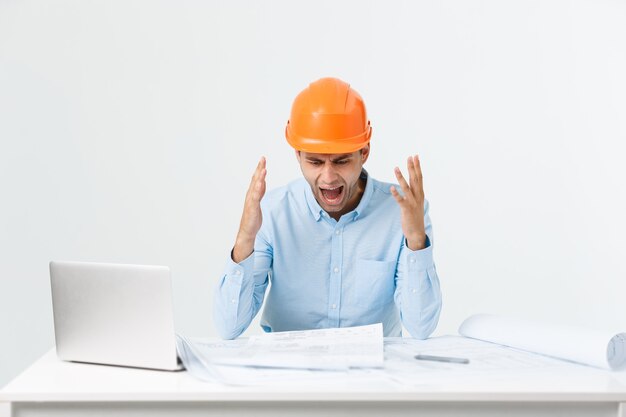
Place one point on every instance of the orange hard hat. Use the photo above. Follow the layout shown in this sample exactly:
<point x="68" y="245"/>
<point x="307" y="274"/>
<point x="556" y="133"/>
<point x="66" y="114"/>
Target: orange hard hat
<point x="328" y="117"/>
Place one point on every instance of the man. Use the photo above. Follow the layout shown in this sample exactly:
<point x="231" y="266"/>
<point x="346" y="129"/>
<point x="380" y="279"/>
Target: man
<point x="338" y="247"/>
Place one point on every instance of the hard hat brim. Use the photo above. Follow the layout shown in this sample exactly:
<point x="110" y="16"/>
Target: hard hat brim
<point x="328" y="146"/>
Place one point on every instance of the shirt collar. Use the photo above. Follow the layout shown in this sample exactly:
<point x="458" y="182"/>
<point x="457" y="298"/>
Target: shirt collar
<point x="316" y="209"/>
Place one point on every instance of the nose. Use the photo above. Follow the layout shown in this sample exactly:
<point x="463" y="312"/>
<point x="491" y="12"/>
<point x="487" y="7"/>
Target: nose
<point x="329" y="175"/>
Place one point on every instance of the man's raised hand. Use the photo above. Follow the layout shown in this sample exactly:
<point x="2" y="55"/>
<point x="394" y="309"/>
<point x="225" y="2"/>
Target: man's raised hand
<point x="411" y="204"/>
<point x="251" y="219"/>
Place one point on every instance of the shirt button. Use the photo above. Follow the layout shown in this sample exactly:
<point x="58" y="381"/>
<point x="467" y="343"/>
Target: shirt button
<point x="337" y="232"/>
<point x="334" y="306"/>
<point x="336" y="270"/>
<point x="233" y="301"/>
<point x="413" y="290"/>
<point x="412" y="260"/>
<point x="237" y="272"/>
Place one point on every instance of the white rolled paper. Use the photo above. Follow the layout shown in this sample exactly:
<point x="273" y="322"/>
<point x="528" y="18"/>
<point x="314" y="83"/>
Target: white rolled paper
<point x="598" y="348"/>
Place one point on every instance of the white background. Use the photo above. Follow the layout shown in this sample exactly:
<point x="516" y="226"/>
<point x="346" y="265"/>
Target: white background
<point x="129" y="131"/>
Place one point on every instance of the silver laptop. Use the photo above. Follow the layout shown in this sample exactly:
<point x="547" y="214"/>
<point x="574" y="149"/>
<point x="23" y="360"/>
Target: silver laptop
<point x="114" y="314"/>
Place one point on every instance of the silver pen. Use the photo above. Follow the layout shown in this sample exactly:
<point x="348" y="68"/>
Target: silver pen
<point x="441" y="359"/>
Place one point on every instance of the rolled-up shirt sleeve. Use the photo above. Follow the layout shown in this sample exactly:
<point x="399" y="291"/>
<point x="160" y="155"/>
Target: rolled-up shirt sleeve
<point x="418" y="294"/>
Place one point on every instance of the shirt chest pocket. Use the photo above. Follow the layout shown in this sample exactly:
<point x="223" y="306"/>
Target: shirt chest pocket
<point x="375" y="282"/>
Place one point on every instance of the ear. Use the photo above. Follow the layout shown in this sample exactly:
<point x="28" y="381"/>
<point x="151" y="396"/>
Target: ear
<point x="298" y="155"/>
<point x="365" y="153"/>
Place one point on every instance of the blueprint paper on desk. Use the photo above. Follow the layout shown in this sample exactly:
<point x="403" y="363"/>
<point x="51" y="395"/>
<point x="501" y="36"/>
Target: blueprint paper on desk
<point x="487" y="361"/>
<point x="593" y="347"/>
<point x="337" y="349"/>
<point x="196" y="356"/>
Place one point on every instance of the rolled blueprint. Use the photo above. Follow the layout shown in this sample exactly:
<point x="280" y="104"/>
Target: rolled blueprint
<point x="577" y="344"/>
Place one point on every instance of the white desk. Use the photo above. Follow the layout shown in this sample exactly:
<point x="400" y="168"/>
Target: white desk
<point x="54" y="388"/>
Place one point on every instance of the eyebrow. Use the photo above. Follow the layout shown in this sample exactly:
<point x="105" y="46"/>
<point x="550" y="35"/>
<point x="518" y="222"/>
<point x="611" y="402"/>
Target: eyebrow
<point x="336" y="159"/>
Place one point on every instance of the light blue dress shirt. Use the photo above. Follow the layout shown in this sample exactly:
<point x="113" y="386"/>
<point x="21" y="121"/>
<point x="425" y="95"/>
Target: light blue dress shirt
<point x="325" y="273"/>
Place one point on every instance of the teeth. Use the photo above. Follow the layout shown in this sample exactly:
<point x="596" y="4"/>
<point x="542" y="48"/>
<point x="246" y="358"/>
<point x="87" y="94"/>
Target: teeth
<point x="330" y="189"/>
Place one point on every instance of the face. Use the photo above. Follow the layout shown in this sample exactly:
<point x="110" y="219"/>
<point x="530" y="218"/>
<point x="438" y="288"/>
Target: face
<point x="334" y="179"/>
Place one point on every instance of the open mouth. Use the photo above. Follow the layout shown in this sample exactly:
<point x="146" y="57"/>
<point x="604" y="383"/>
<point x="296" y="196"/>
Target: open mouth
<point x="332" y="195"/>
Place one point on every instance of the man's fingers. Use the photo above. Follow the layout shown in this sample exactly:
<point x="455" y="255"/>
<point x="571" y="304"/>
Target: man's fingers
<point x="415" y="170"/>
<point x="418" y="174"/>
<point x="418" y="168"/>
<point x="255" y="176"/>
<point x="410" y="167"/>
<point x="258" y="186"/>
<point x="417" y="183"/>
<point x="259" y="167"/>
<point x="403" y="184"/>
<point x="260" y="182"/>
<point x="400" y="199"/>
